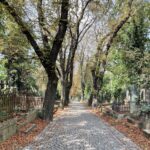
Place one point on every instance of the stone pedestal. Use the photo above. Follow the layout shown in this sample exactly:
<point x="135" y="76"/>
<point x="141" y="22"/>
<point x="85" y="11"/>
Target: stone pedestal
<point x="133" y="107"/>
<point x="147" y="122"/>
<point x="7" y="129"/>
<point x="146" y="126"/>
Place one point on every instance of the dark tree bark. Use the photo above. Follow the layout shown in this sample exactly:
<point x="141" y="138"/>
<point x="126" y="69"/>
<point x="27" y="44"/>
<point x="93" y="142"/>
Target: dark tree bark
<point x="67" y="93"/>
<point x="48" y="59"/>
<point x="82" y="89"/>
<point x="52" y="77"/>
<point x="50" y="96"/>
<point x="82" y="74"/>
<point x="90" y="100"/>
<point x="69" y="69"/>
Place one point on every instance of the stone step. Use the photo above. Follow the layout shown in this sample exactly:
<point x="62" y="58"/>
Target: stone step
<point x="146" y="132"/>
<point x="131" y="120"/>
<point x="28" y="130"/>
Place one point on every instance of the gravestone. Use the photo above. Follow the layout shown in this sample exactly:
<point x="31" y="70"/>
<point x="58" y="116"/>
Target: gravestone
<point x="133" y="99"/>
<point x="146" y="126"/>
<point x="7" y="129"/>
<point x="142" y="95"/>
<point x="127" y="98"/>
<point x="145" y="95"/>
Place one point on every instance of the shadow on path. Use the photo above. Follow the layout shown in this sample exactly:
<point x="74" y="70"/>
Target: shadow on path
<point x="78" y="129"/>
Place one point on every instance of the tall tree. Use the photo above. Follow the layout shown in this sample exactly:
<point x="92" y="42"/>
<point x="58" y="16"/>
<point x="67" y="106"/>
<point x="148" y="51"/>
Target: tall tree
<point x="135" y="49"/>
<point x="127" y="63"/>
<point x="134" y="40"/>
<point x="82" y="74"/>
<point x="103" y="49"/>
<point x="46" y="53"/>
<point x="77" y="30"/>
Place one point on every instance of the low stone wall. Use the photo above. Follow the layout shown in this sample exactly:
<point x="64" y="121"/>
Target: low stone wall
<point x="7" y="129"/>
<point x="10" y="127"/>
<point x="145" y="124"/>
<point x="32" y="115"/>
<point x="146" y="127"/>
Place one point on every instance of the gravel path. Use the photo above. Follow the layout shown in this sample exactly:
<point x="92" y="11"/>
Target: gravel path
<point x="78" y="129"/>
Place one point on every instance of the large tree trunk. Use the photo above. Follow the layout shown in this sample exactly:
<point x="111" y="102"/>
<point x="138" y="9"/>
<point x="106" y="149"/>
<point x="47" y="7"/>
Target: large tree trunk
<point x="50" y="96"/>
<point x="95" y="83"/>
<point x="67" y="93"/>
<point x="90" y="100"/>
<point x="69" y="80"/>
<point x="82" y="89"/>
<point x="100" y="66"/>
<point x="48" y="58"/>
<point x="63" y="91"/>
<point x="82" y="79"/>
<point x="62" y="96"/>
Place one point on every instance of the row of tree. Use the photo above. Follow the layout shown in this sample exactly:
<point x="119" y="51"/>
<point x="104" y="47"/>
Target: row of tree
<point x="55" y="30"/>
<point x="122" y="60"/>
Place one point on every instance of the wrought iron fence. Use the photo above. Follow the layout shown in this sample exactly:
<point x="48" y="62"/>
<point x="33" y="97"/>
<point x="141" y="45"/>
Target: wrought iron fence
<point x="121" y="107"/>
<point x="126" y="107"/>
<point x="10" y="103"/>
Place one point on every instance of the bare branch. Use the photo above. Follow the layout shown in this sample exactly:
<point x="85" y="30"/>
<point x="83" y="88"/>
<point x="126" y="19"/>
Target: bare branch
<point x="61" y="31"/>
<point x="41" y="19"/>
<point x="85" y="29"/>
<point x="81" y="16"/>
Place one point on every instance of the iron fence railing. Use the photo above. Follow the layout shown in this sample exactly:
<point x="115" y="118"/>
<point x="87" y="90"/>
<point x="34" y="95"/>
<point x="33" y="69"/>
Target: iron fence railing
<point x="126" y="107"/>
<point x="10" y="103"/>
<point x="121" y="107"/>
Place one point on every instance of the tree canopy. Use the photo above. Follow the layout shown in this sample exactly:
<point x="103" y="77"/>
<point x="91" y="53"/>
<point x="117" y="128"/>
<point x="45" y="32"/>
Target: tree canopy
<point x="85" y="48"/>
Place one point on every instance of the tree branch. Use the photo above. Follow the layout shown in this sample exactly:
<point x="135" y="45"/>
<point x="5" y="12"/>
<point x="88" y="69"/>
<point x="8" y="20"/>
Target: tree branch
<point x="61" y="31"/>
<point x="81" y="17"/>
<point x="116" y="30"/>
<point x="23" y="28"/>
<point x="85" y="29"/>
<point x="41" y="19"/>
